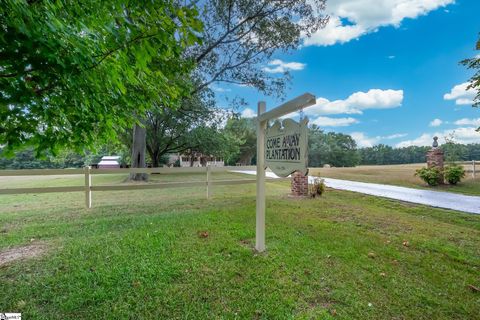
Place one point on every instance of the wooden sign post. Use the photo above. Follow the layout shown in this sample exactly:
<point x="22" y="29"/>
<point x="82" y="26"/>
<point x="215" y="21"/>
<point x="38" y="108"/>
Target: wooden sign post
<point x="263" y="117"/>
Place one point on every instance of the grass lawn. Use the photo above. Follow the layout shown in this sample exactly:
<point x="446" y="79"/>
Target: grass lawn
<point x="399" y="175"/>
<point x="171" y="254"/>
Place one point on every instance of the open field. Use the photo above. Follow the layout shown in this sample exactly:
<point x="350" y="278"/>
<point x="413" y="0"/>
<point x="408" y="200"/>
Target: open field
<point x="398" y="175"/>
<point x="170" y="253"/>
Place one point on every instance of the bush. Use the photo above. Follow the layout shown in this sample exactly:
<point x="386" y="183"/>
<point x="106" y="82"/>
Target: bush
<point x="317" y="188"/>
<point x="454" y="173"/>
<point x="431" y="176"/>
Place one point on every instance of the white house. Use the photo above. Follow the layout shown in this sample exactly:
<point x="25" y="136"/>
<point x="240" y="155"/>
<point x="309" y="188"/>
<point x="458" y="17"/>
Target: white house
<point x="197" y="160"/>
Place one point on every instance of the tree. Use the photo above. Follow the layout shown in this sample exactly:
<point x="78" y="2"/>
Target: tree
<point x="453" y="151"/>
<point x="138" y="159"/>
<point x="26" y="159"/>
<point x="343" y="150"/>
<point x="243" y="133"/>
<point x="208" y="141"/>
<point x="170" y="130"/>
<point x="72" y="73"/>
<point x="239" y="38"/>
<point x="474" y="63"/>
<point x="317" y="147"/>
<point x="336" y="149"/>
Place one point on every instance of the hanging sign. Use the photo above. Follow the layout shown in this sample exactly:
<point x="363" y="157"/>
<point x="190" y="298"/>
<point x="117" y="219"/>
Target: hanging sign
<point x="286" y="147"/>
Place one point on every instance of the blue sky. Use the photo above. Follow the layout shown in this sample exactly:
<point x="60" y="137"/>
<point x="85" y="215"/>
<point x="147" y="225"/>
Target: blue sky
<point x="385" y="71"/>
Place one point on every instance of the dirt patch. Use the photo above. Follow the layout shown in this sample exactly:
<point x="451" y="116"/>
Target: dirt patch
<point x="21" y="253"/>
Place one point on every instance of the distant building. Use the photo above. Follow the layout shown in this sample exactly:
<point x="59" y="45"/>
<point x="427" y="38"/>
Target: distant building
<point x="109" y="162"/>
<point x="197" y="160"/>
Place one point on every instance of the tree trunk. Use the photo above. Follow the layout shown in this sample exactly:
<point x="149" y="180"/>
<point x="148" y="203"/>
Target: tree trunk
<point x="138" y="152"/>
<point x="155" y="163"/>
<point x="191" y="161"/>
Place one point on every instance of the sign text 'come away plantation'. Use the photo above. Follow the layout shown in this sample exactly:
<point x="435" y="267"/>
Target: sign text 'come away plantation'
<point x="286" y="147"/>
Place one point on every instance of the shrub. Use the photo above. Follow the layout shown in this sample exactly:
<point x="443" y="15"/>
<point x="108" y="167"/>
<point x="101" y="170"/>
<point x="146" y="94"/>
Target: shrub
<point x="431" y="176"/>
<point x="317" y="188"/>
<point x="454" y="173"/>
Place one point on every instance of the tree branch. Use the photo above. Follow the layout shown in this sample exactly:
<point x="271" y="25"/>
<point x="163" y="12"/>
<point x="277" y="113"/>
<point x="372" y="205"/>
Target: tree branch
<point x="8" y="75"/>
<point x="228" y="32"/>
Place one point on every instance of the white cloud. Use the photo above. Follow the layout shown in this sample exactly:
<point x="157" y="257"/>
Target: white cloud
<point x="468" y="122"/>
<point x="460" y="94"/>
<point x="291" y="115"/>
<point x="334" y="122"/>
<point x="436" y="123"/>
<point x="219" y="89"/>
<point x="425" y="139"/>
<point x="280" y="67"/>
<point x="464" y="135"/>
<point x="248" y="113"/>
<point x="364" y="141"/>
<point x="351" y="19"/>
<point x="394" y="136"/>
<point x="357" y="102"/>
<point x="334" y="32"/>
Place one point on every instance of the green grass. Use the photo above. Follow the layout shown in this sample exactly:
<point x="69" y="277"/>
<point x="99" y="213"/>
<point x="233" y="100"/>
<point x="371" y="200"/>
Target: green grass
<point x="398" y="175"/>
<point x="147" y="259"/>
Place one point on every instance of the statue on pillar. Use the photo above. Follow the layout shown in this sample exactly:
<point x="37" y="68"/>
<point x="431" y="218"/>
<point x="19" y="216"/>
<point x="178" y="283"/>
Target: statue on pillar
<point x="435" y="142"/>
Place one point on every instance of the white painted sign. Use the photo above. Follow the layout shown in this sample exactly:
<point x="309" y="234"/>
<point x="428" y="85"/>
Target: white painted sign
<point x="286" y="147"/>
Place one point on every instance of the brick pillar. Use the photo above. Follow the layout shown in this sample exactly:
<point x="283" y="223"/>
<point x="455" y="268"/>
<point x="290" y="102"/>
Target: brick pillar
<point x="435" y="159"/>
<point x="299" y="184"/>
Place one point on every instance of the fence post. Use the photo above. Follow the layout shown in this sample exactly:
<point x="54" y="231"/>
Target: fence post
<point x="88" y="190"/>
<point x="473" y="169"/>
<point x="209" y="182"/>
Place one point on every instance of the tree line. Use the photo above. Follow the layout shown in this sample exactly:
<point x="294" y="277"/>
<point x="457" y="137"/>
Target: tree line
<point x="235" y="142"/>
<point x="384" y="154"/>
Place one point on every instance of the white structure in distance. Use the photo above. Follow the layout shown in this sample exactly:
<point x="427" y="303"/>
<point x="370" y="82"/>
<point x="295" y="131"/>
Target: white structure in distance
<point x="109" y="162"/>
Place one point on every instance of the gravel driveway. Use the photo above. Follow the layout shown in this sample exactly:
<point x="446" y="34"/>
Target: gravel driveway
<point x="446" y="200"/>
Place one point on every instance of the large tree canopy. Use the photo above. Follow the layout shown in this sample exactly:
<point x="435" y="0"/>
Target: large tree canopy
<point x="239" y="38"/>
<point x="72" y="72"/>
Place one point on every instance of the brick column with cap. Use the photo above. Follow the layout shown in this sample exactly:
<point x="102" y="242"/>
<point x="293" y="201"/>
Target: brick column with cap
<point x="435" y="158"/>
<point x="299" y="184"/>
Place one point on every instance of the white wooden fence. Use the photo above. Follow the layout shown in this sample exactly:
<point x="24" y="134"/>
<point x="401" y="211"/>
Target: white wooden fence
<point x="470" y="166"/>
<point x="88" y="188"/>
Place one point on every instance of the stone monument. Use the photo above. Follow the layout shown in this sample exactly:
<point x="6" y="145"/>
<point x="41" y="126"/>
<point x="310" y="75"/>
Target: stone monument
<point x="435" y="158"/>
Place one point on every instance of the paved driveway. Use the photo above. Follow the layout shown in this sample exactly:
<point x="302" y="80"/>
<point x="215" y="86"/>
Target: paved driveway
<point x="446" y="200"/>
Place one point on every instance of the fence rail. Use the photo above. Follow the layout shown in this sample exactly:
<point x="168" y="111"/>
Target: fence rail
<point x="88" y="187"/>
<point x="470" y="166"/>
